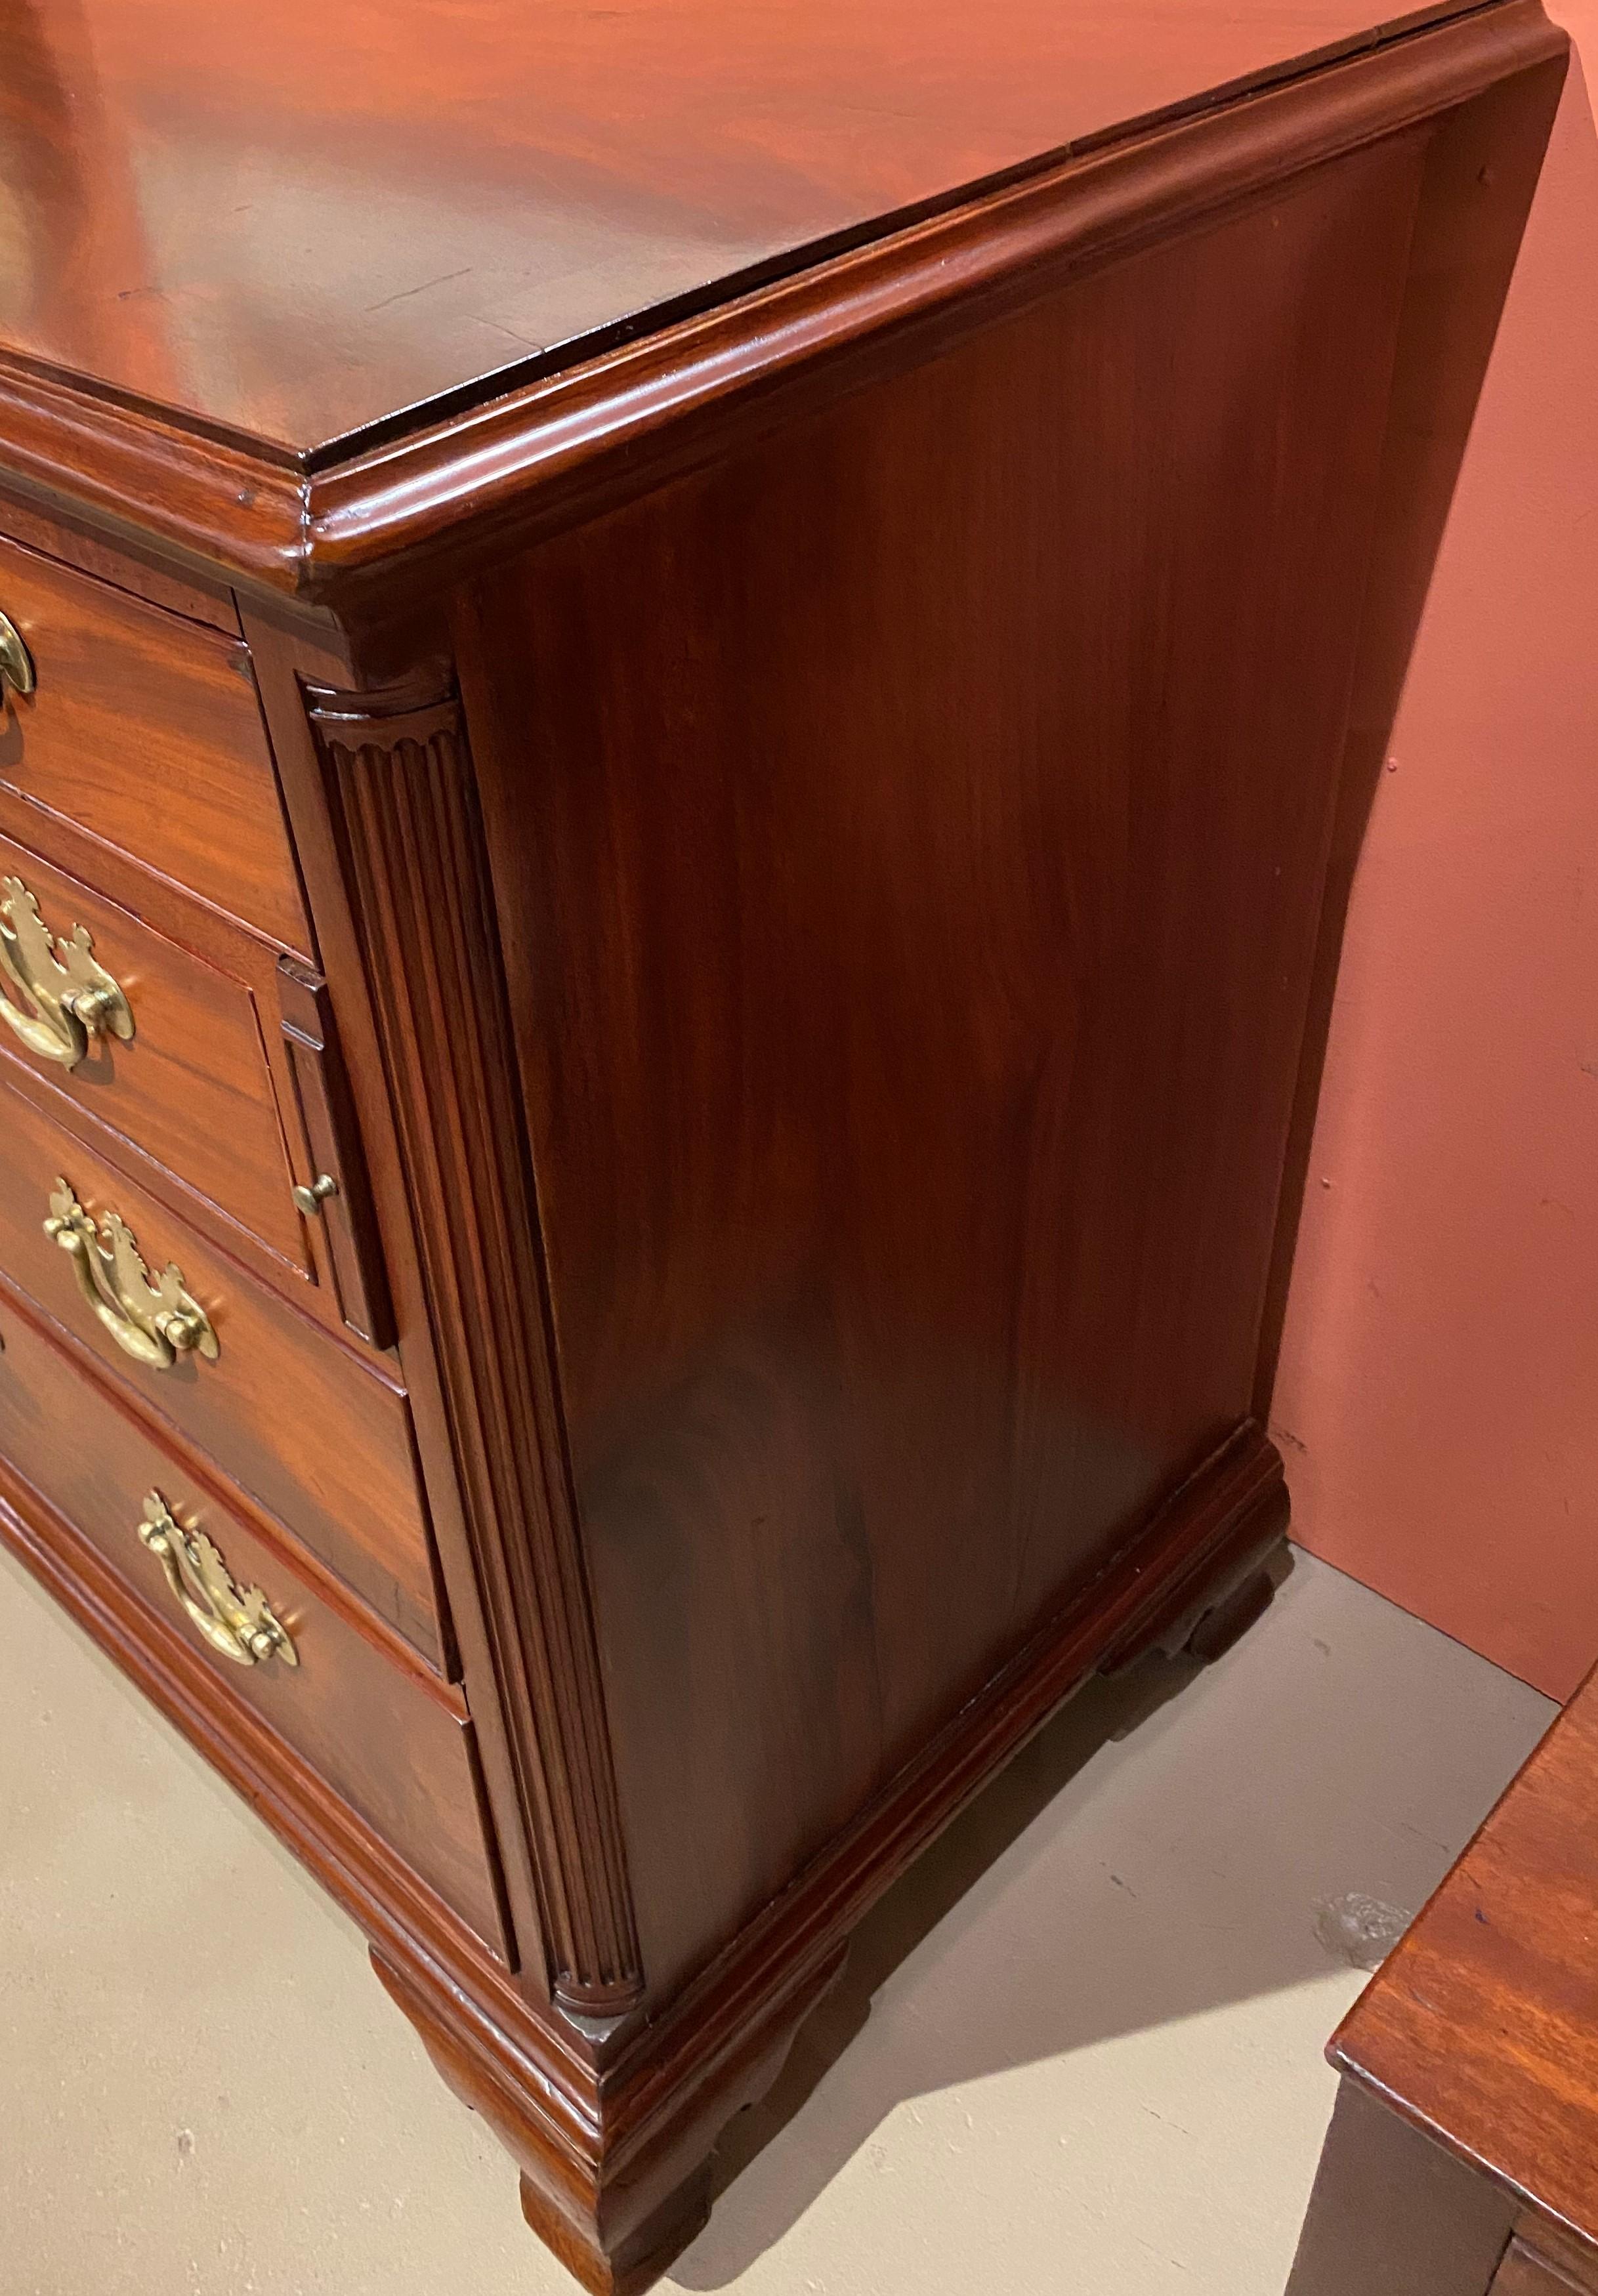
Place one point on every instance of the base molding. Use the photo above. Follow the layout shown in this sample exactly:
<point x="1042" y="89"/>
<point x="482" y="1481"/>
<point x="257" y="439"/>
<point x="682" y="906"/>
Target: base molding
<point x="616" y="2209"/>
<point x="612" y="2126"/>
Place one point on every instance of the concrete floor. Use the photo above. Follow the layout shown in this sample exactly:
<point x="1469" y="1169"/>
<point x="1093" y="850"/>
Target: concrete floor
<point x="1091" y="2064"/>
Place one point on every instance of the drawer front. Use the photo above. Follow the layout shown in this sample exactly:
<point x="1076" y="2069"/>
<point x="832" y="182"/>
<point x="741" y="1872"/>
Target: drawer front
<point x="144" y="730"/>
<point x="397" y="1751"/>
<point x="319" y="1437"/>
<point x="182" y="1071"/>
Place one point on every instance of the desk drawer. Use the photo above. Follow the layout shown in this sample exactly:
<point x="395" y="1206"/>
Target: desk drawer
<point x="145" y="731"/>
<point x="393" y="1744"/>
<point x="181" y="1069"/>
<point x="320" y="1437"/>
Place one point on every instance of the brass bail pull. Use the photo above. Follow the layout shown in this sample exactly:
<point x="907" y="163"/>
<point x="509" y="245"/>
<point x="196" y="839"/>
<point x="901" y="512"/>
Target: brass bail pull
<point x="154" y="1322"/>
<point x="65" y="998"/>
<point x="16" y="663"/>
<point x="237" y="1623"/>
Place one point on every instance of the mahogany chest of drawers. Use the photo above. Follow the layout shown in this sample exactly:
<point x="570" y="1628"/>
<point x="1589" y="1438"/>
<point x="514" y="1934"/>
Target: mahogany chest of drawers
<point x="688" y="693"/>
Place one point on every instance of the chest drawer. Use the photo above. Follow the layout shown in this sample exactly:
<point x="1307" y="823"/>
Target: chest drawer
<point x="393" y="1746"/>
<point x="144" y="730"/>
<point x="320" y="1437"/>
<point x="178" y="1065"/>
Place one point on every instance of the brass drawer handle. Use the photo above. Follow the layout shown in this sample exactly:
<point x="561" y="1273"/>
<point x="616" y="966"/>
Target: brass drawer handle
<point x="153" y="1323"/>
<point x="241" y="1626"/>
<point x="67" y="998"/>
<point x="16" y="663"/>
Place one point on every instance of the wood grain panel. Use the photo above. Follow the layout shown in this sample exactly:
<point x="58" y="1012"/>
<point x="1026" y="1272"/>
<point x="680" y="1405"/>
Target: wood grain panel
<point x="396" y="1749"/>
<point x="192" y="1088"/>
<point x="910" y="840"/>
<point x="346" y="1219"/>
<point x="1524" y="2273"/>
<point x="320" y="1440"/>
<point x="1559" y="2249"/>
<point x="146" y="731"/>
<point x="128" y="564"/>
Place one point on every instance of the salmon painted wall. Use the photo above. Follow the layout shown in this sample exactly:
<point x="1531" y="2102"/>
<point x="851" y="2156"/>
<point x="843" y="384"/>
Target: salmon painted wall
<point x="1437" y="1400"/>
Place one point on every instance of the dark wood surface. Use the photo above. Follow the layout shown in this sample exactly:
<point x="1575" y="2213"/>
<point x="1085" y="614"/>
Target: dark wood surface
<point x="392" y="1743"/>
<point x="346" y="1216"/>
<point x="297" y="222"/>
<point x="145" y="732"/>
<point x="812" y="818"/>
<point x="1525" y="2271"/>
<point x="406" y="812"/>
<point x="193" y="961"/>
<point x="129" y="563"/>
<point x="1482" y="166"/>
<point x="1470" y="2094"/>
<point x="1393" y="2214"/>
<point x="192" y="1088"/>
<point x="908" y="1092"/>
<point x="317" y="1436"/>
<point x="1482" y="2027"/>
<point x="551" y="447"/>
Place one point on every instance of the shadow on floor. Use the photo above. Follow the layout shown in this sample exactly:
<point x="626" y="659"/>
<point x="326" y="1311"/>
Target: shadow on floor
<point x="1162" y="1847"/>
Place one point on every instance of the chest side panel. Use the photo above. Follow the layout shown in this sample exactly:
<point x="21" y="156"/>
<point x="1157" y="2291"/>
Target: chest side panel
<point x="910" y="835"/>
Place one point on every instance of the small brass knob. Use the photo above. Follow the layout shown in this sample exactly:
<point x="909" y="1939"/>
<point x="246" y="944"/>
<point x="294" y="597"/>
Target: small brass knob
<point x="310" y="1200"/>
<point x="16" y="663"/>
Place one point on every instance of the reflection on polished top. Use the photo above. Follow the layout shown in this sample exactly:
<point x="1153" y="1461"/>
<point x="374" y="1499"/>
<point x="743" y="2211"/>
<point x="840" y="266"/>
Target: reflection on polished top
<point x="296" y="220"/>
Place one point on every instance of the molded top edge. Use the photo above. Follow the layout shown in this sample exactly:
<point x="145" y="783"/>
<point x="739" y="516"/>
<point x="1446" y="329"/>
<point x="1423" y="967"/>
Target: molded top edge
<point x="304" y="229"/>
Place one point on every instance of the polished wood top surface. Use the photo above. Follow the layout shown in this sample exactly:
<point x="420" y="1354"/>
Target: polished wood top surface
<point x="1482" y="2026"/>
<point x="307" y="220"/>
